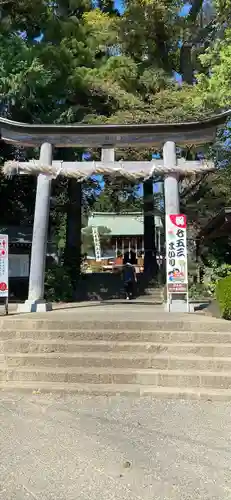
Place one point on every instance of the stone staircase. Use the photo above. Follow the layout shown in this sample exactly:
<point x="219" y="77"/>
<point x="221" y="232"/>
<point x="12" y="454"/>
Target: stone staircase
<point x="153" y="294"/>
<point x="107" y="286"/>
<point x="187" y="357"/>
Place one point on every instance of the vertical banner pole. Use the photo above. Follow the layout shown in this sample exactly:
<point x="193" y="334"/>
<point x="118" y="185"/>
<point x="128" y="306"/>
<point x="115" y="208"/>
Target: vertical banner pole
<point x="4" y="270"/>
<point x="176" y="262"/>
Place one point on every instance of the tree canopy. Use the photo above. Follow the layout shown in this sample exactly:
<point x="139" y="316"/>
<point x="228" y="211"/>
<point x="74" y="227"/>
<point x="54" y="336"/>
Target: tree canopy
<point x="84" y="61"/>
<point x="73" y="61"/>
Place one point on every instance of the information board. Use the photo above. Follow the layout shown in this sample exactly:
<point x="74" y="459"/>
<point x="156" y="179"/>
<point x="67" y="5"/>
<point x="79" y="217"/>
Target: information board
<point x="4" y="256"/>
<point x="19" y="265"/>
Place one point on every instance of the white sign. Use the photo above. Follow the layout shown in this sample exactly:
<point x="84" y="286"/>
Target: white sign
<point x="4" y="285"/>
<point x="176" y="253"/>
<point x="96" y="240"/>
<point x="19" y="265"/>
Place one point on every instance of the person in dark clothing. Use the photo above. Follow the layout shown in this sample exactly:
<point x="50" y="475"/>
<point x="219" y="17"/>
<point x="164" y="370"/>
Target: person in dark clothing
<point x="126" y="258"/>
<point x="133" y="258"/>
<point x="129" y="275"/>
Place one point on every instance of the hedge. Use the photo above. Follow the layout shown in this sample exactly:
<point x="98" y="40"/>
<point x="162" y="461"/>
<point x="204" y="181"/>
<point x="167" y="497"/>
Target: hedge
<point x="223" y="295"/>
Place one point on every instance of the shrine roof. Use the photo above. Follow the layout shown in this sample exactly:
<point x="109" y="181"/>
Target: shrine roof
<point x="18" y="234"/>
<point x="217" y="227"/>
<point x="111" y="135"/>
<point x="127" y="224"/>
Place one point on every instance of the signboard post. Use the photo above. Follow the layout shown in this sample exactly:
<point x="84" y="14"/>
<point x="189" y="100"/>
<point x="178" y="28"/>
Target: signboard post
<point x="4" y="281"/>
<point x="176" y="261"/>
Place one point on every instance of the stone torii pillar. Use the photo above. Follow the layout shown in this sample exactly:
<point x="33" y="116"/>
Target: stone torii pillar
<point x="108" y="155"/>
<point x="36" y="302"/>
<point x="171" y="189"/>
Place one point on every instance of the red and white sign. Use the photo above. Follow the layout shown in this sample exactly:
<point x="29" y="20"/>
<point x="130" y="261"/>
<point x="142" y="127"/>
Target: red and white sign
<point x="4" y="258"/>
<point x="176" y="252"/>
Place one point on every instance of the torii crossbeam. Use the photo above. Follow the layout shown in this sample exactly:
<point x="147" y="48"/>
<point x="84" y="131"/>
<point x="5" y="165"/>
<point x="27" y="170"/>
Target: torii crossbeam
<point x="142" y="134"/>
<point x="131" y="170"/>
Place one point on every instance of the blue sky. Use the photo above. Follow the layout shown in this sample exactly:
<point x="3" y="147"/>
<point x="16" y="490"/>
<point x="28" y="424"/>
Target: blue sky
<point x="118" y="4"/>
<point x="185" y="10"/>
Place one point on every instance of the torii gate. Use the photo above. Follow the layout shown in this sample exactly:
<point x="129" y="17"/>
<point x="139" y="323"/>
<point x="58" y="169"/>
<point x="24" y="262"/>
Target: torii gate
<point x="107" y="137"/>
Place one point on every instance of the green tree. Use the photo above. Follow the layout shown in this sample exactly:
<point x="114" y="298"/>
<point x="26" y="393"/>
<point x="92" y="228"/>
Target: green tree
<point x="107" y="6"/>
<point x="118" y="196"/>
<point x="17" y="194"/>
<point x="214" y="86"/>
<point x="88" y="242"/>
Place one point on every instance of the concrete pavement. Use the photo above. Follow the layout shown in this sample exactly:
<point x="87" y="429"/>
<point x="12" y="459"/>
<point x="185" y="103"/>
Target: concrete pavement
<point x="101" y="448"/>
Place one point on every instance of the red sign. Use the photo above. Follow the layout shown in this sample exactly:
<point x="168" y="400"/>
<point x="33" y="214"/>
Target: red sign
<point x="3" y="286"/>
<point x="179" y="220"/>
<point x="177" y="288"/>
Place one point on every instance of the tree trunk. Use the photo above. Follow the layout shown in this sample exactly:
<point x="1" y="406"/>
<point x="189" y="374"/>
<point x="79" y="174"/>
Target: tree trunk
<point x="72" y="258"/>
<point x="150" y="261"/>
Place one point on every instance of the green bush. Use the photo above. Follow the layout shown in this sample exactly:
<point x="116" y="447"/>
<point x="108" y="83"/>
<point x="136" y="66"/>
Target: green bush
<point x="223" y="295"/>
<point x="198" y="291"/>
<point x="58" y="287"/>
<point x="214" y="274"/>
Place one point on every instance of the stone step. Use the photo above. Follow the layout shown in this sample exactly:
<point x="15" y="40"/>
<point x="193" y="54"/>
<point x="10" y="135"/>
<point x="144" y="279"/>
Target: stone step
<point x="189" y="323"/>
<point x="119" y="335"/>
<point x="148" y="299"/>
<point x="206" y="394"/>
<point x="117" y="361"/>
<point x="153" y="291"/>
<point x="113" y="346"/>
<point x="142" y="299"/>
<point x="168" y="356"/>
<point x="151" y="377"/>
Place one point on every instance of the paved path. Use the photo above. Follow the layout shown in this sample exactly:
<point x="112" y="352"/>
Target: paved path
<point x="111" y="310"/>
<point x="90" y="307"/>
<point x="86" y="448"/>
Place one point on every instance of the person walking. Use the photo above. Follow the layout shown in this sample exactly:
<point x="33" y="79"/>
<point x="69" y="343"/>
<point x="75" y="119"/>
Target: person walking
<point x="129" y="275"/>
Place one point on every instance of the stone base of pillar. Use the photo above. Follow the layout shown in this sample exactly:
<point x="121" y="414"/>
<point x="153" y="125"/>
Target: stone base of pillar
<point x="31" y="306"/>
<point x="177" y="306"/>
